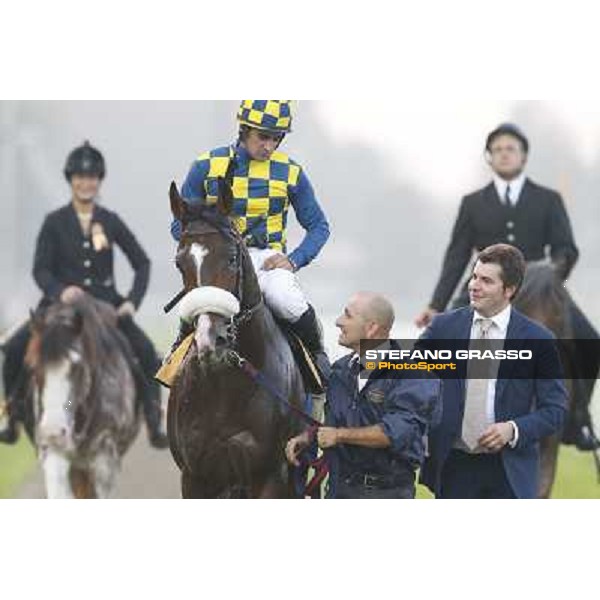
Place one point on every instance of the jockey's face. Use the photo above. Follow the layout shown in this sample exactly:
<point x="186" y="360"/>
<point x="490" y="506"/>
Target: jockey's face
<point x="487" y="292"/>
<point x="85" y="187"/>
<point x="507" y="157"/>
<point x="354" y="326"/>
<point x="261" y="144"/>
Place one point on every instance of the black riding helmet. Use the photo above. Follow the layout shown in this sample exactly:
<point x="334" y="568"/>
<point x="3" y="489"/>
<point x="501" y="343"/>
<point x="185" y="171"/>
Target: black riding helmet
<point x="85" y="160"/>
<point x="507" y="129"/>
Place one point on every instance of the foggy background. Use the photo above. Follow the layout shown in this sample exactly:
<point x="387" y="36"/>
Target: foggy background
<point x="388" y="177"/>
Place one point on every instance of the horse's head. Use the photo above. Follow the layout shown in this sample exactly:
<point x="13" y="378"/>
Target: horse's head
<point x="215" y="268"/>
<point x="543" y="297"/>
<point x="59" y="343"/>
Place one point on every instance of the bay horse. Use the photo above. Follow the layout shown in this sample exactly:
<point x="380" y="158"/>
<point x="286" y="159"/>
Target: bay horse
<point x="227" y="433"/>
<point x="80" y="408"/>
<point x="543" y="298"/>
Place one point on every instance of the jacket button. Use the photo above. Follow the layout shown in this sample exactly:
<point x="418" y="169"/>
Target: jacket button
<point x="510" y="237"/>
<point x="86" y="244"/>
<point x="87" y="264"/>
<point x="510" y="224"/>
<point x="87" y="282"/>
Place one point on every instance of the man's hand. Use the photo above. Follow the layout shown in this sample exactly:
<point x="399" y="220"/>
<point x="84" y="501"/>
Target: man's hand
<point x="127" y="309"/>
<point x="496" y="436"/>
<point x="71" y="294"/>
<point x="423" y="319"/>
<point x="294" y="447"/>
<point x="328" y="437"/>
<point x="278" y="261"/>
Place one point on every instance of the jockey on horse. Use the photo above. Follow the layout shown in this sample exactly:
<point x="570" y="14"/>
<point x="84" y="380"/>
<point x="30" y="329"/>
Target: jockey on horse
<point x="74" y="255"/>
<point x="265" y="182"/>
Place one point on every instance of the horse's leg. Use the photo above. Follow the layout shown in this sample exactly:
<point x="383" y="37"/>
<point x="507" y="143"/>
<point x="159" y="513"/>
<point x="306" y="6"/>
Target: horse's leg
<point x="274" y="487"/>
<point x="242" y="451"/>
<point x="81" y="483"/>
<point x="190" y="486"/>
<point x="105" y="466"/>
<point x="56" y="469"/>
<point x="548" y="460"/>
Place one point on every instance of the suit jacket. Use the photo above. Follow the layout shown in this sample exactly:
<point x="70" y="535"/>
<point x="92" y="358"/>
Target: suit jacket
<point x="64" y="257"/>
<point x="538" y="221"/>
<point x="536" y="403"/>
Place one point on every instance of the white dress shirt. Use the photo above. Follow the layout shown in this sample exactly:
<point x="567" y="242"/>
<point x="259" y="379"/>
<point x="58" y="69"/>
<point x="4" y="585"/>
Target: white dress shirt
<point x="516" y="186"/>
<point x="497" y="331"/>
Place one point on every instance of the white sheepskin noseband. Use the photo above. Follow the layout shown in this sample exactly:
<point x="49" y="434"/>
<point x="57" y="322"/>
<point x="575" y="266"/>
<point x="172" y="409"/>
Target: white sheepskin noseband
<point x="208" y="299"/>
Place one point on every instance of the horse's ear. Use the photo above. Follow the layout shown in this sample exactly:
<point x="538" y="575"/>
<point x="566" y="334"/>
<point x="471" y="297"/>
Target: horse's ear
<point x="225" y="201"/>
<point x="177" y="203"/>
<point x="36" y="319"/>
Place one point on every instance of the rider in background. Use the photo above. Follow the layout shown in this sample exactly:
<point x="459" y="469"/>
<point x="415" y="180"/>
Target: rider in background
<point x="265" y="183"/>
<point x="515" y="210"/>
<point x="74" y="255"/>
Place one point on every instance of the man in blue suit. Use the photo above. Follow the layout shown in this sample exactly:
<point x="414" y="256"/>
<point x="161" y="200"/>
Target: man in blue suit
<point x="487" y="443"/>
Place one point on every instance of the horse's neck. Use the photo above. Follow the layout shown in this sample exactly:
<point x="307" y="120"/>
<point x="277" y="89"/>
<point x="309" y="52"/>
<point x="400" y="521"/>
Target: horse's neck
<point x="250" y="294"/>
<point x="254" y="332"/>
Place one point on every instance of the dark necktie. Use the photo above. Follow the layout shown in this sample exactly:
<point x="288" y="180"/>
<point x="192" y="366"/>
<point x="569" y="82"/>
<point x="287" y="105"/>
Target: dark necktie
<point x="507" y="200"/>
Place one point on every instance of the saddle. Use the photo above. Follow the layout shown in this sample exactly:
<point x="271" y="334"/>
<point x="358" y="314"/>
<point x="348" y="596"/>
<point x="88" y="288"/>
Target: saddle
<point x="313" y="381"/>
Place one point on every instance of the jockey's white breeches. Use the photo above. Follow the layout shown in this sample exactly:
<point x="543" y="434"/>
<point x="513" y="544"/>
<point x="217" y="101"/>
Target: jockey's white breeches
<point x="280" y="287"/>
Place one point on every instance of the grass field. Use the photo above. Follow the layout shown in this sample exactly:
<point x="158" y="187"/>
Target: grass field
<point x="16" y="463"/>
<point x="576" y="472"/>
<point x="576" y="478"/>
<point x="576" y="475"/>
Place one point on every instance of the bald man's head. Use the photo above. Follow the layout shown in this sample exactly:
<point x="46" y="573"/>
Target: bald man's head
<point x="367" y="315"/>
<point x="375" y="307"/>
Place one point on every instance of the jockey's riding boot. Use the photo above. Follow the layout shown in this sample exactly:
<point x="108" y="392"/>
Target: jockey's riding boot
<point x="586" y="439"/>
<point x="153" y="415"/>
<point x="309" y="330"/>
<point x="583" y="435"/>
<point x="11" y="412"/>
<point x="10" y="433"/>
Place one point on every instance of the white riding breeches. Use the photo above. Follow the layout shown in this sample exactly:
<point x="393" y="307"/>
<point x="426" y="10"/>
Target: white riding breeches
<point x="280" y="287"/>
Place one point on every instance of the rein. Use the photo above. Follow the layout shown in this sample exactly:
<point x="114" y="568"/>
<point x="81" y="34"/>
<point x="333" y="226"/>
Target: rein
<point x="314" y="458"/>
<point x="258" y="377"/>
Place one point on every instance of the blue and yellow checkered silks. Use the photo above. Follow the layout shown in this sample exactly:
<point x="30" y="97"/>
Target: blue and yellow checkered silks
<point x="261" y="191"/>
<point x="271" y="115"/>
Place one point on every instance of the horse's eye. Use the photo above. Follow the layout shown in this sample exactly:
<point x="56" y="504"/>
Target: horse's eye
<point x="232" y="261"/>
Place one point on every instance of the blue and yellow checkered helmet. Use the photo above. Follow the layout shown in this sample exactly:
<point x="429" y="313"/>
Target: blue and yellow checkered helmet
<point x="270" y="115"/>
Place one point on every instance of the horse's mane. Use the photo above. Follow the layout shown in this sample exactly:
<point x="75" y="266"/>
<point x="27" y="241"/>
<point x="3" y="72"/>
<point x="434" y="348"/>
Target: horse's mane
<point x="200" y="212"/>
<point x="92" y="321"/>
<point x="541" y="282"/>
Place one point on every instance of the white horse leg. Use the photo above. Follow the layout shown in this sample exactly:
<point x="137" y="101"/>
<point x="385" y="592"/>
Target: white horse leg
<point x="56" y="473"/>
<point x="105" y="466"/>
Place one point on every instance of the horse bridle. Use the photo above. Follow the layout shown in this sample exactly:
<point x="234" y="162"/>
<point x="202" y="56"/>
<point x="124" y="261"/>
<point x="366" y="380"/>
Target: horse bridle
<point x="245" y="314"/>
